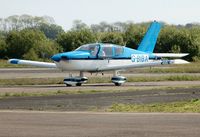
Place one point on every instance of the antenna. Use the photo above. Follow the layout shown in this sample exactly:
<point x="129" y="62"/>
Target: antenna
<point x="125" y="44"/>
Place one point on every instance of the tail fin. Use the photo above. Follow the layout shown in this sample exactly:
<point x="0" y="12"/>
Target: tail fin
<point x="149" y="41"/>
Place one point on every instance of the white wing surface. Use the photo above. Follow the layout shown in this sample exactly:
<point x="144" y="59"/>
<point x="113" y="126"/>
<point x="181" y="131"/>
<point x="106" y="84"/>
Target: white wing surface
<point x="32" y="63"/>
<point x="171" y="55"/>
<point x="143" y="64"/>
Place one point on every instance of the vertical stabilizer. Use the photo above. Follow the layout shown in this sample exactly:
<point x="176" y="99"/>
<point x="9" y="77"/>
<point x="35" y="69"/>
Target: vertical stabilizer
<point x="149" y="41"/>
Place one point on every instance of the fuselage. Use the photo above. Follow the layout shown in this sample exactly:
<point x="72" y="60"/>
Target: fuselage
<point x="101" y="57"/>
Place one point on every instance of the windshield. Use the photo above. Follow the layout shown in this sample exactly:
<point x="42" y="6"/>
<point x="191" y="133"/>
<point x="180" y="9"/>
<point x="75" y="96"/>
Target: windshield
<point x="92" y="48"/>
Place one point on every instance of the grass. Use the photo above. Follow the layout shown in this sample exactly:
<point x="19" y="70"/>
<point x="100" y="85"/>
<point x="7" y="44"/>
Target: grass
<point x="25" y="94"/>
<point x="48" y="93"/>
<point x="28" y="94"/>
<point x="71" y="92"/>
<point x="164" y="78"/>
<point x="193" y="67"/>
<point x="184" y="68"/>
<point x="47" y="81"/>
<point x="183" y="106"/>
<point x="31" y="81"/>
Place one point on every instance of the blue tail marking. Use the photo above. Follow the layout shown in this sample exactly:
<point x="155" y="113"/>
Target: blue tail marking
<point x="149" y="41"/>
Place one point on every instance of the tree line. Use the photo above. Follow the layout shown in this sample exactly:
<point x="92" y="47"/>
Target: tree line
<point x="38" y="38"/>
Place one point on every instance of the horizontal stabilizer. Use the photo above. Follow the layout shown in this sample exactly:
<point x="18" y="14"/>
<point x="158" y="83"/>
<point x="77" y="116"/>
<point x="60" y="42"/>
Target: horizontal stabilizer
<point x="144" y="64"/>
<point x="171" y="55"/>
<point x="180" y="61"/>
<point x="32" y="63"/>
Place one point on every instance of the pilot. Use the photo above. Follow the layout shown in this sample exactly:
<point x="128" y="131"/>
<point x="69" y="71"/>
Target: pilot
<point x="103" y="54"/>
<point x="94" y="50"/>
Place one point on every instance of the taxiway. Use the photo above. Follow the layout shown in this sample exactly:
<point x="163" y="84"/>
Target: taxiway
<point x="89" y="124"/>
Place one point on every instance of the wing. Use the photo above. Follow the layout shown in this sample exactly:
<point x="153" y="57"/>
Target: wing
<point x="143" y="64"/>
<point x="32" y="63"/>
<point x="171" y="55"/>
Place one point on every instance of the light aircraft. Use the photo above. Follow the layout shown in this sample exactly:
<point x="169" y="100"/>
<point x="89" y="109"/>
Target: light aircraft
<point x="100" y="57"/>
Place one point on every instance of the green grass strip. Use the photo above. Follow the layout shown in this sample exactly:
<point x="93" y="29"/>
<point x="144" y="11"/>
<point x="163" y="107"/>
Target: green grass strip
<point x="183" y="106"/>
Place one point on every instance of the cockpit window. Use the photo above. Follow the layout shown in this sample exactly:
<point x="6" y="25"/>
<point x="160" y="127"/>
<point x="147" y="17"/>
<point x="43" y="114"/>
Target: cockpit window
<point x="92" y="48"/>
<point x="119" y="50"/>
<point x="106" y="51"/>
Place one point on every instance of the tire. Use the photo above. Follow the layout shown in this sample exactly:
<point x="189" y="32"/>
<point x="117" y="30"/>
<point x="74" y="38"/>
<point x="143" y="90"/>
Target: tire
<point x="68" y="85"/>
<point x="118" y="84"/>
<point x="78" y="84"/>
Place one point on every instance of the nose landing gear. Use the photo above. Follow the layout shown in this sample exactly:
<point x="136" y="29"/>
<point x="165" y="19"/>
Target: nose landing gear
<point x="75" y="81"/>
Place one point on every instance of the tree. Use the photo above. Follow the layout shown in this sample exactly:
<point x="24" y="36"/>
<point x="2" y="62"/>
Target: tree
<point x="33" y="37"/>
<point x="73" y="39"/>
<point x="112" y="37"/>
<point x="16" y="22"/>
<point x="194" y="48"/>
<point x="78" y="25"/>
<point x="29" y="44"/>
<point x="173" y="39"/>
<point x="167" y="39"/>
<point x="50" y="30"/>
<point x="42" y="50"/>
<point x="134" y="35"/>
<point x="47" y="48"/>
<point x="3" y="48"/>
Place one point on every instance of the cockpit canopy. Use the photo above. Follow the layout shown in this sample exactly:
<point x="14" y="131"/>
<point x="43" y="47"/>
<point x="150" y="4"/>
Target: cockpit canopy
<point x="92" y="48"/>
<point x="88" y="47"/>
<point x="102" y="50"/>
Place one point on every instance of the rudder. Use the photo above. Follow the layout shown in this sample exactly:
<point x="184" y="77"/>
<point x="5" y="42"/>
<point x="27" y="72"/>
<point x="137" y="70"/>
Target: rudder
<point x="149" y="41"/>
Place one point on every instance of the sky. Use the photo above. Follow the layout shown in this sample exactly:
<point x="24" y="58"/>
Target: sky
<point x="90" y="12"/>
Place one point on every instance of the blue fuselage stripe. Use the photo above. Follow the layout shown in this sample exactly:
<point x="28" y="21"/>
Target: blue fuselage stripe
<point x="98" y="58"/>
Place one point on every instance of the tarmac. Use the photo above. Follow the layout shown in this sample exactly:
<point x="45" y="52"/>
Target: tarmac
<point x="90" y="124"/>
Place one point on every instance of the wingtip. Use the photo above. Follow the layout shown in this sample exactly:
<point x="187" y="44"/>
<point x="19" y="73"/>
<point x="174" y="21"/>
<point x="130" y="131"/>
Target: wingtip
<point x="184" y="54"/>
<point x="180" y="61"/>
<point x="13" y="61"/>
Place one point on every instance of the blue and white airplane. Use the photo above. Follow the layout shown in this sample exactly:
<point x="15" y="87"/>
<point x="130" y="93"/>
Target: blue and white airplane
<point x="100" y="57"/>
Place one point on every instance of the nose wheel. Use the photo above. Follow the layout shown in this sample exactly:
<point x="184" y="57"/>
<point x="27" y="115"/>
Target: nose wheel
<point x="78" y="84"/>
<point x="118" y="80"/>
<point x="68" y="85"/>
<point x="75" y="81"/>
<point x="118" y="84"/>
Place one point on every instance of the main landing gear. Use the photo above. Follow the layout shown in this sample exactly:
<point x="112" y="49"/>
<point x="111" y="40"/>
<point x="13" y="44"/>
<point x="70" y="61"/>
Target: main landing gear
<point x="75" y="81"/>
<point x="117" y="79"/>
